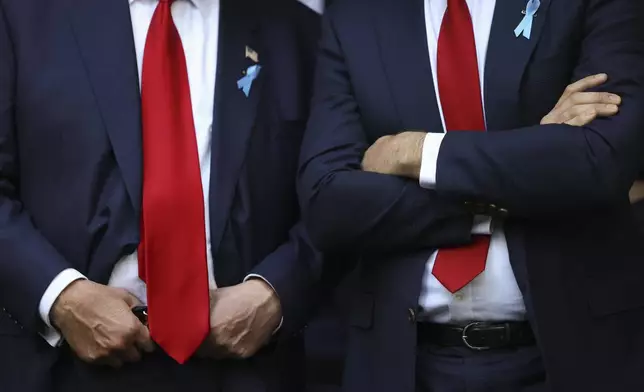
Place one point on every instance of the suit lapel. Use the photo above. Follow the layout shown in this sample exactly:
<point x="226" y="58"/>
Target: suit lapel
<point x="103" y="31"/>
<point x="234" y="113"/>
<point x="403" y="43"/>
<point x="507" y="58"/>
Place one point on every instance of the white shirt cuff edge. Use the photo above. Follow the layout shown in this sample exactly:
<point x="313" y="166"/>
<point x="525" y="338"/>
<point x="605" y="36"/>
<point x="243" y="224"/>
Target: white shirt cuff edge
<point x="429" y="160"/>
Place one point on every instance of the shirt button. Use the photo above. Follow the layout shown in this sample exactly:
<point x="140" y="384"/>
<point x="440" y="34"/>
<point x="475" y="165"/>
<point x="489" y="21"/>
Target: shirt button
<point x="458" y="296"/>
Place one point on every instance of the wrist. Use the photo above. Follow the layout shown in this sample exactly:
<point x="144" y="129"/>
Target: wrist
<point x="411" y="154"/>
<point x="269" y="297"/>
<point x="66" y="302"/>
<point x="264" y="290"/>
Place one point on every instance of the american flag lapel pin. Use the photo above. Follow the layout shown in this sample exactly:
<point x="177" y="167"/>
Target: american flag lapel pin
<point x="252" y="54"/>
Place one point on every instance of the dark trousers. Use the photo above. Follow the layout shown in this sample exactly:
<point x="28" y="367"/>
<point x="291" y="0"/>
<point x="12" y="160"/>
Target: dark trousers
<point x="159" y="373"/>
<point x="455" y="369"/>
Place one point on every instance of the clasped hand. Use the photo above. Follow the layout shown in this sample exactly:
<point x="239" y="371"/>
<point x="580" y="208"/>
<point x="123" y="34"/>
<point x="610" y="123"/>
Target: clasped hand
<point x="97" y="322"/>
<point x="242" y="320"/>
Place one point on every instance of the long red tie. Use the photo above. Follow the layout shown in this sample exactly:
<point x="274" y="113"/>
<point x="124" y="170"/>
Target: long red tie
<point x="172" y="254"/>
<point x="460" y="97"/>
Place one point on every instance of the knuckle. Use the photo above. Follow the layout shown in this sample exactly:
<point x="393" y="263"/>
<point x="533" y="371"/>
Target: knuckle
<point x="242" y="352"/>
<point x="245" y="354"/>
<point x="576" y="111"/>
<point x="91" y="357"/>
<point x="567" y="114"/>
<point x="96" y="355"/>
<point x="583" y="108"/>
<point x="131" y="331"/>
<point x="230" y="346"/>
<point x="119" y="344"/>
<point x="134" y="356"/>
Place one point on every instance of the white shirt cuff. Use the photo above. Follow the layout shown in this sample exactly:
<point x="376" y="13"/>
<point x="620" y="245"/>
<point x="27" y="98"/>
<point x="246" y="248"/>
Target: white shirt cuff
<point x="429" y="159"/>
<point x="255" y="276"/>
<point x="482" y="225"/>
<point x="56" y="287"/>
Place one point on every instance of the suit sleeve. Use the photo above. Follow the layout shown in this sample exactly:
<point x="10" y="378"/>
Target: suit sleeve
<point x="536" y="171"/>
<point x="28" y="263"/>
<point x="301" y="276"/>
<point x="347" y="208"/>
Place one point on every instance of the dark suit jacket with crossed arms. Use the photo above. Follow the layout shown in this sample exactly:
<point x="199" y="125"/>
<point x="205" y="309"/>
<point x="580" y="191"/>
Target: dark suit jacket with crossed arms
<point x="571" y="233"/>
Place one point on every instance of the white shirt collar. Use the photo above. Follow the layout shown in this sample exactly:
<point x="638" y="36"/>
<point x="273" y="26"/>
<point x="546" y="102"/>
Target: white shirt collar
<point x="203" y="5"/>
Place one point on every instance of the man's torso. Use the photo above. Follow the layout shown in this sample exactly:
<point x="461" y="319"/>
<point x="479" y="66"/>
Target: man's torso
<point x="77" y="121"/>
<point x="573" y="271"/>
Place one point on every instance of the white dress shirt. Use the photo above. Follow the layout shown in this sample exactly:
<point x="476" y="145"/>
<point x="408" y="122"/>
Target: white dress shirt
<point x="494" y="295"/>
<point x="198" y="25"/>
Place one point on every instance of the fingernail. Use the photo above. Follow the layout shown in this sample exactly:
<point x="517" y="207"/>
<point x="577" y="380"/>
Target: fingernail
<point x="602" y="76"/>
<point x="612" y="108"/>
<point x="615" y="98"/>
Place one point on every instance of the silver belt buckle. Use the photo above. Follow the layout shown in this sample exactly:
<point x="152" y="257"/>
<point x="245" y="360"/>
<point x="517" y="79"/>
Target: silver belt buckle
<point x="464" y="337"/>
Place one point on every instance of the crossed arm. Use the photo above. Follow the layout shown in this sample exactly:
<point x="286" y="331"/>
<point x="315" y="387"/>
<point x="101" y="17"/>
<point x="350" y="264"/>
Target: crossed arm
<point x="592" y="161"/>
<point x="552" y="169"/>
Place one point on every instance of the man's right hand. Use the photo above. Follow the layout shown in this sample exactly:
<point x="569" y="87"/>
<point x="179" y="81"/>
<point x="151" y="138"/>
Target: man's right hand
<point x="98" y="324"/>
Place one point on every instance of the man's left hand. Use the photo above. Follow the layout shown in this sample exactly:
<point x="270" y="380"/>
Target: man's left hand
<point x="242" y="320"/>
<point x="398" y="155"/>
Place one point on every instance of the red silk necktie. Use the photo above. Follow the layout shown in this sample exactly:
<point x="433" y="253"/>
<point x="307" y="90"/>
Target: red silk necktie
<point x="172" y="253"/>
<point x="460" y="97"/>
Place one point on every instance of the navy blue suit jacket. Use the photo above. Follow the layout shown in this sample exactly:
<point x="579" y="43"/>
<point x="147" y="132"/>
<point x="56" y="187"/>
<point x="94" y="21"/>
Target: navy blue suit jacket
<point x="70" y="158"/>
<point x="571" y="233"/>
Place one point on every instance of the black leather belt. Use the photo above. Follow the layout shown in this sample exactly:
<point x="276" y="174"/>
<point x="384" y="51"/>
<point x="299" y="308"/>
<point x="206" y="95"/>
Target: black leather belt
<point x="477" y="336"/>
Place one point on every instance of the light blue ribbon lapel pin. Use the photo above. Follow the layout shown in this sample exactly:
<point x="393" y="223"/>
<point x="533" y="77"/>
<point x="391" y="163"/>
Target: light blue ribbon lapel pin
<point x="246" y="82"/>
<point x="525" y="27"/>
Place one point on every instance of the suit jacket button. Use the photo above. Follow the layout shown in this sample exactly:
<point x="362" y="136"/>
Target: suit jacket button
<point x="411" y="315"/>
<point x="502" y="213"/>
